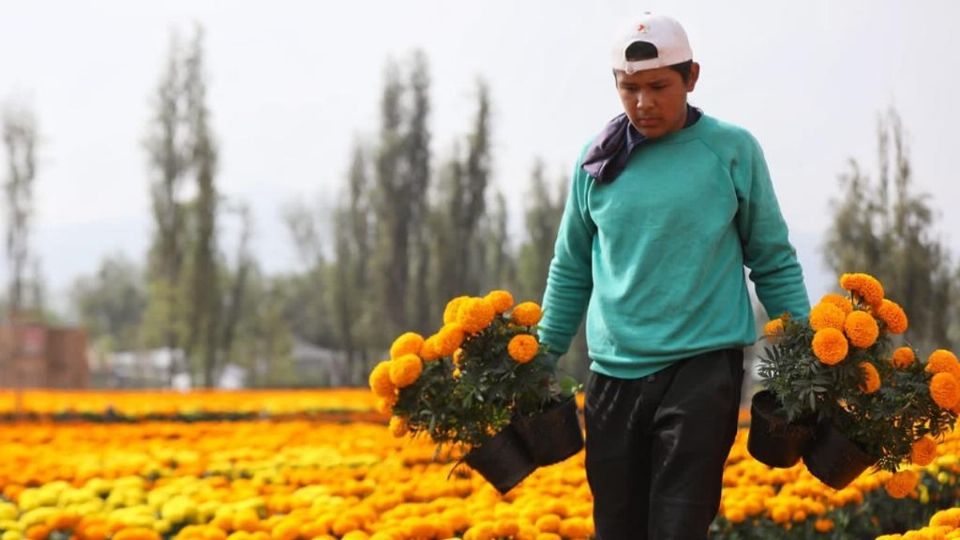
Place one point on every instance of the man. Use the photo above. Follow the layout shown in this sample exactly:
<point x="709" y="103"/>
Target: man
<point x="667" y="205"/>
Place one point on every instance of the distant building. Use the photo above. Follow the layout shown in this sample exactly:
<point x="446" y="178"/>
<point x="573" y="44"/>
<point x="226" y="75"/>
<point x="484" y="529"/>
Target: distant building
<point x="40" y="356"/>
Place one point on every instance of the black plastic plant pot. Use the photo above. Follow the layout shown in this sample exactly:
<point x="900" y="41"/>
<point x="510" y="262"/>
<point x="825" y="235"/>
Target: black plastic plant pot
<point x="772" y="439"/>
<point x="833" y="458"/>
<point x="502" y="460"/>
<point x="553" y="435"/>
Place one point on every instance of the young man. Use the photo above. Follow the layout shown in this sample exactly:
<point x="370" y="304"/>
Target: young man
<point x="667" y="205"/>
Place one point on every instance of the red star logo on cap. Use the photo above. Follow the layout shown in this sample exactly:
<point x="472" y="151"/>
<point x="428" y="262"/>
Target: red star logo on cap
<point x="642" y="28"/>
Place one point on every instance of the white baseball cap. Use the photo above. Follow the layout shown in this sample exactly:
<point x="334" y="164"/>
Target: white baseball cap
<point x="650" y="42"/>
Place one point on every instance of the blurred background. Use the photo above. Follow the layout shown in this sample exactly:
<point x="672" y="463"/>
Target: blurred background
<point x="252" y="194"/>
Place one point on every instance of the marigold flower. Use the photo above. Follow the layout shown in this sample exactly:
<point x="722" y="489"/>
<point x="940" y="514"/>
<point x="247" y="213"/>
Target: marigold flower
<point x="893" y="316"/>
<point x="901" y="483"/>
<point x="385" y="404"/>
<point x="526" y="314"/>
<point x="945" y="390"/>
<point x="903" y="357"/>
<point x="865" y="286"/>
<point x="826" y="315"/>
<point x="457" y="357"/>
<point x="871" y="378"/>
<point x="830" y="346"/>
<point x="405" y="370"/>
<point x="500" y="300"/>
<point x="942" y="360"/>
<point x="838" y="300"/>
<point x="823" y="525"/>
<point x="431" y="349"/>
<point x="453" y="307"/>
<point x="449" y="338"/>
<point x="379" y="380"/>
<point x="923" y="451"/>
<point x="475" y="314"/>
<point x="861" y="328"/>
<point x="408" y="343"/>
<point x="398" y="426"/>
<point x="523" y="348"/>
<point x="773" y="328"/>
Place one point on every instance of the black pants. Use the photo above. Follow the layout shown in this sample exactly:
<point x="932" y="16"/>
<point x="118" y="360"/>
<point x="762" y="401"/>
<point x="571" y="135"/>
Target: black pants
<point x="656" y="447"/>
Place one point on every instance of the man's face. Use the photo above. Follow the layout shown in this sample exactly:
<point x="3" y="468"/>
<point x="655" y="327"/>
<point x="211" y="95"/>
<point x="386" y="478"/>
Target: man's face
<point x="655" y="100"/>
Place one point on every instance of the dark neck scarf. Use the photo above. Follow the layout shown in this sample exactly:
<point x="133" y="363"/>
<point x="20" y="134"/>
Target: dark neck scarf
<point x="609" y="153"/>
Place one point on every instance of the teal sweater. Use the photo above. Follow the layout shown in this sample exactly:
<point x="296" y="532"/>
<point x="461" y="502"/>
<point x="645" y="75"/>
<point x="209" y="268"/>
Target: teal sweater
<point x="656" y="258"/>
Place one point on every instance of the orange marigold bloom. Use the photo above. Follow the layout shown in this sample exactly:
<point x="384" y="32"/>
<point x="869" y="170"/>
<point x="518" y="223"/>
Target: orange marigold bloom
<point x="475" y="314"/>
<point x="945" y="390"/>
<point x="501" y="300"/>
<point x="523" y="348"/>
<point x="408" y="343"/>
<point x="903" y="357"/>
<point x="893" y="316"/>
<point x="385" y="404"/>
<point x="398" y="426"/>
<point x="526" y="314"/>
<point x="453" y="307"/>
<point x="379" y="380"/>
<point x="431" y="349"/>
<point x="830" y="346"/>
<point x="861" y="328"/>
<point x="838" y="300"/>
<point x="457" y="356"/>
<point x="773" y="328"/>
<point x="871" y="378"/>
<point x="823" y="525"/>
<point x="826" y="315"/>
<point x="923" y="451"/>
<point x="901" y="483"/>
<point x="942" y="360"/>
<point x="863" y="285"/>
<point x="449" y="338"/>
<point x="405" y="370"/>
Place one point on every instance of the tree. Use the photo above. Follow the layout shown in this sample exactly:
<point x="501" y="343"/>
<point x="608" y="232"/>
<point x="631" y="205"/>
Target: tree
<point x="884" y="228"/>
<point x="19" y="141"/>
<point x="110" y="303"/>
<point x="542" y="220"/>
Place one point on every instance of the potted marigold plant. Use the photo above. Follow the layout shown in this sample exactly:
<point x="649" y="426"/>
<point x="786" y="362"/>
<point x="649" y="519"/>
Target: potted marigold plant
<point x="860" y="402"/>
<point x="482" y="384"/>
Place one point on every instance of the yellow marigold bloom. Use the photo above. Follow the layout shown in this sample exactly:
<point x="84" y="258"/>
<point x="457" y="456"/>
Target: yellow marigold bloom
<point x="379" y="380"/>
<point x="903" y="357"/>
<point x="405" y="370"/>
<point x="893" y="316"/>
<point x="449" y="339"/>
<point x="861" y="328"/>
<point x="431" y="349"/>
<point x="523" y="348"/>
<point x="453" y="307"/>
<point x="923" y="451"/>
<point x="830" y="346"/>
<point x="457" y="357"/>
<point x="398" y="426"/>
<point x="863" y="285"/>
<point x="838" y="300"/>
<point x="773" y="328"/>
<point x="475" y="314"/>
<point x="826" y="315"/>
<point x="526" y="314"/>
<point x="901" y="483"/>
<point x="408" y="343"/>
<point x="500" y="300"/>
<point x="945" y="390"/>
<point x="823" y="525"/>
<point x="871" y="378"/>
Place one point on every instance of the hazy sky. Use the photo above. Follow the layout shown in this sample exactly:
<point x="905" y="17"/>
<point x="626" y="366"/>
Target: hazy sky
<point x="294" y="84"/>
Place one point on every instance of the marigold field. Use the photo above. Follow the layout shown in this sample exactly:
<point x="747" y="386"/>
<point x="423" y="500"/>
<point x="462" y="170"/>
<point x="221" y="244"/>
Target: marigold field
<point x="305" y="465"/>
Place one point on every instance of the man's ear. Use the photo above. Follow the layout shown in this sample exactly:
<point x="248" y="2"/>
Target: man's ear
<point x="694" y="76"/>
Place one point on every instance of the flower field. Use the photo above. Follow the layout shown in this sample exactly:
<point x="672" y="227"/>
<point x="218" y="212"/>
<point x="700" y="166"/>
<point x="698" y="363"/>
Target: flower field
<point x="322" y="464"/>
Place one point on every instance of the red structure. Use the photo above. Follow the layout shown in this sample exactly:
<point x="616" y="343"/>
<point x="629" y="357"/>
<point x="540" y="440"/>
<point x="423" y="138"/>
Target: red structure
<point x="39" y="356"/>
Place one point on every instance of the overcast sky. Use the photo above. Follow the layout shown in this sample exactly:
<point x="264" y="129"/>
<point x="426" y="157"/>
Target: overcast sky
<point x="294" y="84"/>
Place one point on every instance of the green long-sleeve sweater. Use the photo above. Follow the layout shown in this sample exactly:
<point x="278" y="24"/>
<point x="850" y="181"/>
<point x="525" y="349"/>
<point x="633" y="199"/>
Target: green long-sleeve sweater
<point x="656" y="258"/>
